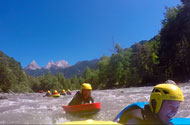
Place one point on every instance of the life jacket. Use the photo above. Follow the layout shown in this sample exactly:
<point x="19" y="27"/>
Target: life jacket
<point x="147" y="115"/>
<point x="142" y="114"/>
<point x="78" y="99"/>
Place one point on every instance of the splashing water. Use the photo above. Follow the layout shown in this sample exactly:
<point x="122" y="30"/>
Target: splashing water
<point x="36" y="109"/>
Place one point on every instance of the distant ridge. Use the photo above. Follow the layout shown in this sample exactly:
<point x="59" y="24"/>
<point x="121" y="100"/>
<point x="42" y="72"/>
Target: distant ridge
<point x="59" y="64"/>
<point x="63" y="67"/>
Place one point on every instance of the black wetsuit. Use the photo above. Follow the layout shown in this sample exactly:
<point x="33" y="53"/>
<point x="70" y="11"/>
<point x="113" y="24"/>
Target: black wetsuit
<point x="147" y="117"/>
<point x="78" y="99"/>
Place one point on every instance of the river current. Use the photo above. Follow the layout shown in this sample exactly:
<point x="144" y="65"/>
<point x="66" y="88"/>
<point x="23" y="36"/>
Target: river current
<point x="33" y="108"/>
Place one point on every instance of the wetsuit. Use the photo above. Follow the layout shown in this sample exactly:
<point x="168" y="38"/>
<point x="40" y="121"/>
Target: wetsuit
<point x="145" y="115"/>
<point x="68" y="93"/>
<point x="78" y="99"/>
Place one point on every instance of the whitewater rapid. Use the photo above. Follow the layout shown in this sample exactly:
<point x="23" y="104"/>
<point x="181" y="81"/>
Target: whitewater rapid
<point x="33" y="108"/>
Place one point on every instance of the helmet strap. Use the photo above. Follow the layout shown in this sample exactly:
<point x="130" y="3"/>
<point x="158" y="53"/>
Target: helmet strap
<point x="153" y="103"/>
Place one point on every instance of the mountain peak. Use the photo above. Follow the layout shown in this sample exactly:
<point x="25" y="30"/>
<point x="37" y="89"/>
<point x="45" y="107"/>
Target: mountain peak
<point x="58" y="64"/>
<point x="33" y="66"/>
<point x="50" y="65"/>
<point x="62" y="64"/>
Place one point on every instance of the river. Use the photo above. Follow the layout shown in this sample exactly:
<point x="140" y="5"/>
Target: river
<point x="35" y="109"/>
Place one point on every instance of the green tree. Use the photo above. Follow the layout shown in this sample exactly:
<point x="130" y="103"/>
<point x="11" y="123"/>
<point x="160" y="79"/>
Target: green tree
<point x="7" y="78"/>
<point x="91" y="76"/>
<point x="49" y="82"/>
<point x="68" y="83"/>
<point x="103" y="71"/>
<point x="174" y="49"/>
<point x="61" y="79"/>
<point x="34" y="83"/>
<point x="75" y="82"/>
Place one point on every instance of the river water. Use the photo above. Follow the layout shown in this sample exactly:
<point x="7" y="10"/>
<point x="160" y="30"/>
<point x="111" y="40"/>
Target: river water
<point x="36" y="109"/>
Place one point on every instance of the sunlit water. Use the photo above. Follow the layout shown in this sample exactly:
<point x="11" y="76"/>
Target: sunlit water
<point x="36" y="109"/>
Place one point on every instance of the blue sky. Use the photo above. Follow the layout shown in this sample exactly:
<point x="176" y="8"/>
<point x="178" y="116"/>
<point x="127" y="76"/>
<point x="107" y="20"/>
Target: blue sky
<point x="75" y="30"/>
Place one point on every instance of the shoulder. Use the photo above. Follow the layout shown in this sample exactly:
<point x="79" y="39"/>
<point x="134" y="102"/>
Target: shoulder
<point x="131" y="116"/>
<point x="131" y="112"/>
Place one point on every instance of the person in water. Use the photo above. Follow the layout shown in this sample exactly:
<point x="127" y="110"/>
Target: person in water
<point x="83" y="96"/>
<point x="48" y="93"/>
<point x="55" y="92"/>
<point x="163" y="105"/>
<point x="69" y="92"/>
<point x="63" y="92"/>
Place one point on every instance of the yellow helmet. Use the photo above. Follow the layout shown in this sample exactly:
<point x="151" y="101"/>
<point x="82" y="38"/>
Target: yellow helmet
<point x="164" y="92"/>
<point x="48" y="91"/>
<point x="63" y="90"/>
<point x="68" y="90"/>
<point x="55" y="91"/>
<point x="86" y="86"/>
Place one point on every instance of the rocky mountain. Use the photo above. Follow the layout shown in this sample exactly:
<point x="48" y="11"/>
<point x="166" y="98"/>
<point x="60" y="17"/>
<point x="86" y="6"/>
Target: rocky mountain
<point x="51" y="65"/>
<point x="32" y="66"/>
<point x="59" y="64"/>
<point x="63" y="67"/>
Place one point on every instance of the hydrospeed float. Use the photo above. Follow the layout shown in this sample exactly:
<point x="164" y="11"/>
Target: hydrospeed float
<point x="83" y="109"/>
<point x="90" y="122"/>
<point x="180" y="121"/>
<point x="174" y="121"/>
<point x="55" y="95"/>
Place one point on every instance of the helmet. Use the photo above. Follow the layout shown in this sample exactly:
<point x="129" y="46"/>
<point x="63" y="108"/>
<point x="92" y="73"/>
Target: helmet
<point x="68" y="90"/>
<point x="48" y="91"/>
<point x="55" y="91"/>
<point x="170" y="81"/>
<point x="164" y="92"/>
<point x="86" y="86"/>
<point x="63" y="90"/>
